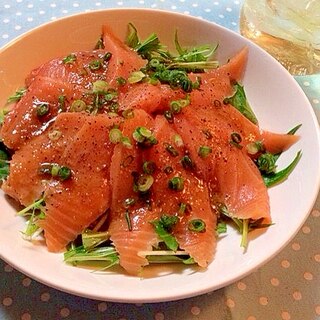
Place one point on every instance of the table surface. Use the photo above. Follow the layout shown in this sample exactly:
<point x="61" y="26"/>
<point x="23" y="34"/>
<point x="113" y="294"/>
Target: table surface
<point x="287" y="288"/>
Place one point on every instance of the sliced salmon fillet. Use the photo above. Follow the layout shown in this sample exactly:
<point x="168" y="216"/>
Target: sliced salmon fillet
<point x="199" y="245"/>
<point x="141" y="236"/>
<point x="124" y="60"/>
<point x="24" y="182"/>
<point x="221" y="166"/>
<point x="73" y="204"/>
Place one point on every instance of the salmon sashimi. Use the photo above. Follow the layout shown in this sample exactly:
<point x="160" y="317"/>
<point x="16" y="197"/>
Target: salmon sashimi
<point x="190" y="203"/>
<point x="25" y="166"/>
<point x="74" y="203"/>
<point x="148" y="148"/>
<point x="129" y="228"/>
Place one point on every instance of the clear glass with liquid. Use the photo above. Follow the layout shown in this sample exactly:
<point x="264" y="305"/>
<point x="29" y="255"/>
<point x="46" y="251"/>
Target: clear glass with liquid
<point x="287" y="29"/>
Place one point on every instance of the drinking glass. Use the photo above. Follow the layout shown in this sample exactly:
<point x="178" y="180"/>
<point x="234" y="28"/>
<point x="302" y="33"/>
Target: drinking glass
<point x="287" y="29"/>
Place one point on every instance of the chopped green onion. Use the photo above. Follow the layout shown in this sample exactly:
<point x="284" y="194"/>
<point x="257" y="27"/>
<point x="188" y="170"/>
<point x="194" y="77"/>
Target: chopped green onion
<point x="128" y="220"/>
<point x="236" y="139"/>
<point x="99" y="86"/>
<point x="91" y="239"/>
<point x="136" y="76"/>
<point x="69" y="59"/>
<point x="169" y="116"/>
<point x="95" y="65"/>
<point x="144" y="137"/>
<point x="197" y="225"/>
<point x="144" y="182"/>
<point x="55" y="170"/>
<point x="148" y="167"/>
<point x="42" y="109"/>
<point x="186" y="162"/>
<point x="170" y="149"/>
<point x="107" y="56"/>
<point x="128" y="202"/>
<point x="126" y="142"/>
<point x="204" y="151"/>
<point x="168" y="170"/>
<point x="178" y="140"/>
<point x="99" y="44"/>
<point x="121" y="81"/>
<point x="64" y="173"/>
<point x="61" y="102"/>
<point x="255" y="147"/>
<point x="221" y="227"/>
<point x="115" y="135"/>
<point x="128" y="114"/>
<point x="54" y="135"/>
<point x="78" y="106"/>
<point x="176" y="183"/>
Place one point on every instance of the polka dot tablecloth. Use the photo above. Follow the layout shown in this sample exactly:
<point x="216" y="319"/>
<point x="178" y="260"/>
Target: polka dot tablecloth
<point x="287" y="288"/>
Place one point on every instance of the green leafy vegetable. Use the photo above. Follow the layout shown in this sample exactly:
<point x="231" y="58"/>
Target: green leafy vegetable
<point x="17" y="95"/>
<point x="240" y="102"/>
<point x="4" y="162"/>
<point x="278" y="177"/>
<point x="163" y="227"/>
<point x="34" y="212"/>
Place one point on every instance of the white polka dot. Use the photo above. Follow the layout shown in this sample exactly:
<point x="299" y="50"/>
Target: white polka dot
<point x="216" y="3"/>
<point x="263" y="301"/>
<point x="26" y="282"/>
<point x="195" y="310"/>
<point x="174" y="7"/>
<point x="285" y="315"/>
<point x="141" y="2"/>
<point x="275" y="282"/>
<point x="8" y="268"/>
<point x="195" y="5"/>
<point x="7" y="6"/>
<point x="207" y="10"/>
<point x="102" y="306"/>
<point x="98" y="4"/>
<point x="6" y="20"/>
<point x="120" y="3"/>
<point x="308" y="276"/>
<point x="18" y="1"/>
<point x="18" y="13"/>
<point x="297" y="295"/>
<point x="53" y="18"/>
<point x="7" y="302"/>
<point x="228" y="9"/>
<point x="76" y="5"/>
<point x="317" y="257"/>
<point x="26" y="316"/>
<point x="29" y="19"/>
<point x="315" y="213"/>
<point x="159" y="316"/>
<point x="45" y="297"/>
<point x="233" y="23"/>
<point x="221" y="16"/>
<point x="53" y="5"/>
<point x="5" y="36"/>
<point x="306" y="83"/>
<point x="295" y="246"/>
<point x="42" y="12"/>
<point x="285" y="264"/>
<point x="64" y="312"/>
<point x="236" y="2"/>
<point x="230" y="303"/>
<point x="30" y="6"/>
<point x="306" y="229"/>
<point x="241" y="286"/>
<point x="17" y="27"/>
<point x="317" y="309"/>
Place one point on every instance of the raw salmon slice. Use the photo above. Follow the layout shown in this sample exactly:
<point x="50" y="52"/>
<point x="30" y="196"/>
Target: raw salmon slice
<point x="171" y="153"/>
<point x="24" y="182"/>
<point x="139" y="236"/>
<point x="73" y="204"/>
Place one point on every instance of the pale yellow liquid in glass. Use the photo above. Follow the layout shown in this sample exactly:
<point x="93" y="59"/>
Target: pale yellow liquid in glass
<point x="288" y="29"/>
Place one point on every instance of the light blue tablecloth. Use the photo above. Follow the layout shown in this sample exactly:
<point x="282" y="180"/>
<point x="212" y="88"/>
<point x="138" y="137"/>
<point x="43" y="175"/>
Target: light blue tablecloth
<point x="286" y="288"/>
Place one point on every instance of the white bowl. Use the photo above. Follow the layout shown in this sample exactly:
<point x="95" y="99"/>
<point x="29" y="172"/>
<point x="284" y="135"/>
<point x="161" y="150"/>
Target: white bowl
<point x="278" y="102"/>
